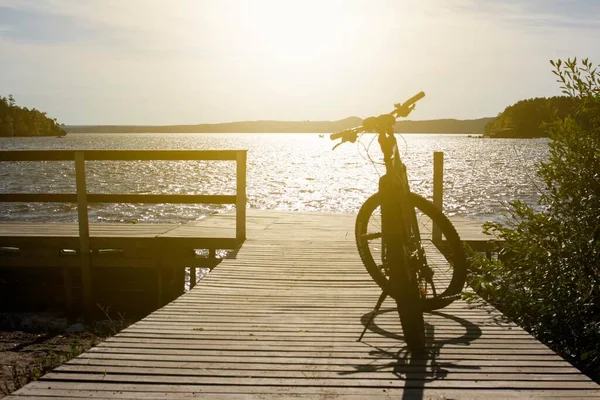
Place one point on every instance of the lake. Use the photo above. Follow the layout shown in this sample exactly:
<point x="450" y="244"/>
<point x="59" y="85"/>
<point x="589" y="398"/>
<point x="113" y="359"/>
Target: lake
<point x="295" y="172"/>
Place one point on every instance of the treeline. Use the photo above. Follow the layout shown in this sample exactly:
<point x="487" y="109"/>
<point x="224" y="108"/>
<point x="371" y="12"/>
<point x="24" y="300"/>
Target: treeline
<point x="528" y="118"/>
<point x="21" y="121"/>
<point x="229" y="127"/>
<point x="475" y="126"/>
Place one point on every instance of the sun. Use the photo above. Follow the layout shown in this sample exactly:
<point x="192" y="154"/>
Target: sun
<point x="296" y="35"/>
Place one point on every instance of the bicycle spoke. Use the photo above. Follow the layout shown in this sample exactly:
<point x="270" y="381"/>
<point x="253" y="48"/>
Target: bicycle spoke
<point x="435" y="263"/>
<point x="371" y="236"/>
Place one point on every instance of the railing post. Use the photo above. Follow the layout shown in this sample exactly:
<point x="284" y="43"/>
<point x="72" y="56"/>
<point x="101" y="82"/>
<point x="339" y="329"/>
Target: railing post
<point x="438" y="190"/>
<point x="84" y="232"/>
<point x="240" y="205"/>
<point x="192" y="277"/>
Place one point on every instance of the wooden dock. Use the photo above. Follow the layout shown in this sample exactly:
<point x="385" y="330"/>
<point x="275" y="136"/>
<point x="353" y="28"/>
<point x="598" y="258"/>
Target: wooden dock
<point x="151" y="258"/>
<point x="51" y="245"/>
<point x="280" y="319"/>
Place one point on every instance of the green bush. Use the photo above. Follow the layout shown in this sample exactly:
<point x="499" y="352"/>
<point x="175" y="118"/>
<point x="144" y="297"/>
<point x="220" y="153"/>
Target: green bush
<point x="547" y="277"/>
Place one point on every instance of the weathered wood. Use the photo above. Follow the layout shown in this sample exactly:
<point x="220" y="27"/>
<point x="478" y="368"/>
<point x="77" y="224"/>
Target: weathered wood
<point x="162" y="198"/>
<point x="160" y="290"/>
<point x="178" y="283"/>
<point x="175" y="391"/>
<point x="68" y="282"/>
<point x="84" y="233"/>
<point x="119" y="155"/>
<point x="280" y="319"/>
<point x="240" y="206"/>
<point x="192" y="277"/>
<point x="438" y="190"/>
<point x="38" y="197"/>
<point x="81" y="197"/>
<point x="119" y="198"/>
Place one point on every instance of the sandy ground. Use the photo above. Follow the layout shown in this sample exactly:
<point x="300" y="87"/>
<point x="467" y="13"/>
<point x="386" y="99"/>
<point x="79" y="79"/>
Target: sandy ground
<point x="33" y="344"/>
<point x="25" y="355"/>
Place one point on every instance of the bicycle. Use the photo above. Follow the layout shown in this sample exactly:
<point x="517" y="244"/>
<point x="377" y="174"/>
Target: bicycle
<point x="388" y="229"/>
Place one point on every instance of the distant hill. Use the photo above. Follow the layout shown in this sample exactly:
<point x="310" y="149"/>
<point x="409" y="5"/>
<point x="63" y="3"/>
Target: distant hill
<point x="474" y="126"/>
<point x="229" y="127"/>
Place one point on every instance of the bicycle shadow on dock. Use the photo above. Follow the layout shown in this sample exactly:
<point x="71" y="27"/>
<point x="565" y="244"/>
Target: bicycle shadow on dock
<point x="415" y="369"/>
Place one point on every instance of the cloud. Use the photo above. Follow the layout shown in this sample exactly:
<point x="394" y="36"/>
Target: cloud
<point x="572" y="14"/>
<point x="31" y="26"/>
<point x="160" y="61"/>
<point x="125" y="27"/>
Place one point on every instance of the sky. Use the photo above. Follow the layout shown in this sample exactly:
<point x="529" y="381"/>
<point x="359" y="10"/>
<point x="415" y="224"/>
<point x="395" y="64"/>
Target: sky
<point x="161" y="62"/>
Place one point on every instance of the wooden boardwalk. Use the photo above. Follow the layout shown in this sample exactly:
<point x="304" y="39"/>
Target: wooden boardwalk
<point x="281" y="319"/>
<point x="39" y="243"/>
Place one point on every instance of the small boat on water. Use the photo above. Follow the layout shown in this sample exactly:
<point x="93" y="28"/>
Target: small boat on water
<point x="321" y="135"/>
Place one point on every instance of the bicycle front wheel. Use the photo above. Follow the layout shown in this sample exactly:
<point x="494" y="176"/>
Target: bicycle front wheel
<point x="448" y="264"/>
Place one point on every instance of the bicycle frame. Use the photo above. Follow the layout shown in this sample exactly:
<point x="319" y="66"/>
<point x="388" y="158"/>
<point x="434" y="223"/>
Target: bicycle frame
<point x="400" y="233"/>
<point x="404" y="273"/>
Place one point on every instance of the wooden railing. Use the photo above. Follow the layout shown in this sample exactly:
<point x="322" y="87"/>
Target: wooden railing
<point x="82" y="198"/>
<point x="438" y="191"/>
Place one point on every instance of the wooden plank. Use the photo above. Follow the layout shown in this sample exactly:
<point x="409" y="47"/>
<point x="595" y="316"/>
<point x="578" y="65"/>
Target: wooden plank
<point x="240" y="205"/>
<point x="163" y="391"/>
<point x="234" y="368"/>
<point x="310" y="381"/>
<point x="194" y="242"/>
<point x="164" y="155"/>
<point x="162" y="198"/>
<point x="84" y="233"/>
<point x="438" y="190"/>
<point x="119" y="155"/>
<point x="280" y="319"/>
<point x="192" y="277"/>
<point x="38" y="198"/>
<point x="119" y="198"/>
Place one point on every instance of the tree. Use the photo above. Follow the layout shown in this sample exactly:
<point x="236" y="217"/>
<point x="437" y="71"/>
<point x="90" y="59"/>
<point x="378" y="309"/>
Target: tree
<point x="547" y="277"/>
<point x="20" y="121"/>
<point x="526" y="118"/>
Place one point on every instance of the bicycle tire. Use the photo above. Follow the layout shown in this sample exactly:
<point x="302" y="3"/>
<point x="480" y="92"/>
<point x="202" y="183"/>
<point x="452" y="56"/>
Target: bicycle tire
<point x="454" y="253"/>
<point x="408" y="302"/>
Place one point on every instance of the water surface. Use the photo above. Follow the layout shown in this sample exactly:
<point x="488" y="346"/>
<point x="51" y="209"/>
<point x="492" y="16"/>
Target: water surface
<point x="296" y="172"/>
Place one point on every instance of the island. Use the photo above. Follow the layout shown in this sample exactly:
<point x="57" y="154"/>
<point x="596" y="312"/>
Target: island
<point x="21" y="121"/>
<point x="528" y="118"/>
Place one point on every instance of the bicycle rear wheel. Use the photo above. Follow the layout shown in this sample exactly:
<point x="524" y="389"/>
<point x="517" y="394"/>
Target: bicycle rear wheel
<point x="449" y="265"/>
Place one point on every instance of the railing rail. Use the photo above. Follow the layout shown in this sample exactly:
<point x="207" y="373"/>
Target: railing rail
<point x="120" y="155"/>
<point x="239" y="199"/>
<point x="82" y="198"/>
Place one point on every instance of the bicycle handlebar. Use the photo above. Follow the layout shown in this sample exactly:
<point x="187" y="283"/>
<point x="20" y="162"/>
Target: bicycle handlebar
<point x="347" y="132"/>
<point x="400" y="110"/>
<point x="412" y="100"/>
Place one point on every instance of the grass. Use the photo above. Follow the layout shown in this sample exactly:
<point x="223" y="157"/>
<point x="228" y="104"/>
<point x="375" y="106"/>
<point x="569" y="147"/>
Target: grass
<point x="54" y="348"/>
<point x="21" y="376"/>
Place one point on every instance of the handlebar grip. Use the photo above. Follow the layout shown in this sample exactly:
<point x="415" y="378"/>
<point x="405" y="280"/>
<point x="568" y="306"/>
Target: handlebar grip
<point x="414" y="99"/>
<point x="338" y="135"/>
